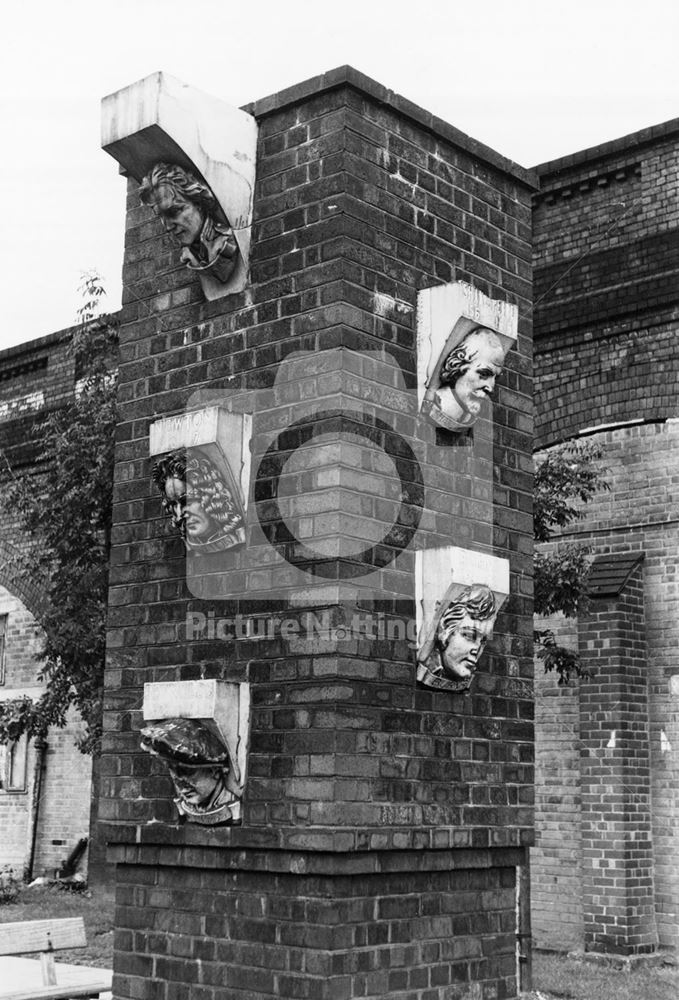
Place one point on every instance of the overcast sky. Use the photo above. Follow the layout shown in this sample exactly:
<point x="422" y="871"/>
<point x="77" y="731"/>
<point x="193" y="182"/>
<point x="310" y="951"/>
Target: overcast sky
<point x="533" y="79"/>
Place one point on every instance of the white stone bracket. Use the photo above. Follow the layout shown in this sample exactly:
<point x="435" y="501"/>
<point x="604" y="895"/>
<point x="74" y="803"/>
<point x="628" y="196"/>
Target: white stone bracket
<point x="224" y="437"/>
<point x="160" y="118"/>
<point x="441" y="574"/>
<point x="223" y="704"/>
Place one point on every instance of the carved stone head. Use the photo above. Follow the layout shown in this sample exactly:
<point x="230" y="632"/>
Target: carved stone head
<point x="199" y="766"/>
<point x="463" y="630"/>
<point x="467" y="378"/>
<point x="191" y="215"/>
<point x="200" y="504"/>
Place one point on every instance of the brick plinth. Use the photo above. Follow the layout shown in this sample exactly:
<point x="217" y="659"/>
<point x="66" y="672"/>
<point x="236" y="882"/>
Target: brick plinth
<point x="617" y="855"/>
<point x="317" y="926"/>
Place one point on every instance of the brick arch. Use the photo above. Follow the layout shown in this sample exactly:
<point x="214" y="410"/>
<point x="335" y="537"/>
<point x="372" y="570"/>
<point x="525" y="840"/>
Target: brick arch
<point x="587" y="379"/>
<point x="31" y="593"/>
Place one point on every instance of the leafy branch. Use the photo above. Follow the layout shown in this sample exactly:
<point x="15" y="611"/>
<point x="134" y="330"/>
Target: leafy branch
<point x="566" y="479"/>
<point x="65" y="509"/>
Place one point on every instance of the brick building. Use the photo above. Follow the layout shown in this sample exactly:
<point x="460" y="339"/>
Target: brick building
<point x="44" y="789"/>
<point x="606" y="254"/>
<point x="383" y="824"/>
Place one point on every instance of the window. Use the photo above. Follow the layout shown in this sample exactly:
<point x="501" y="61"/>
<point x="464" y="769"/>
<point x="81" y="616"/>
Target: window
<point x="13" y="759"/>
<point x="3" y="630"/>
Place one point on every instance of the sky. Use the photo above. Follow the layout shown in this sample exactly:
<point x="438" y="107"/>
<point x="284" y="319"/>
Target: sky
<point x="533" y="79"/>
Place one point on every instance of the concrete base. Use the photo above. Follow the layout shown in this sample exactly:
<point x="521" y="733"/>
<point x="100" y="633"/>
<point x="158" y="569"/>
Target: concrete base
<point x="622" y="963"/>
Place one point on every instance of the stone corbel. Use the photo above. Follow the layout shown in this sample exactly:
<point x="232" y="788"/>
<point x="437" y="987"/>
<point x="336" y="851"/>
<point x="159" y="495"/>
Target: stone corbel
<point x="200" y="729"/>
<point x="458" y="316"/>
<point x="160" y="120"/>
<point x="458" y="595"/>
<point x="212" y="446"/>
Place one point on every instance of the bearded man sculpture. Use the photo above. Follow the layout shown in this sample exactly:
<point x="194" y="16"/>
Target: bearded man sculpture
<point x="192" y="216"/>
<point x="462" y="632"/>
<point x="466" y="379"/>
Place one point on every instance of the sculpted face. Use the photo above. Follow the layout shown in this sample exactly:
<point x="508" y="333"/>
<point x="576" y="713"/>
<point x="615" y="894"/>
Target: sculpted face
<point x="195" y="785"/>
<point x="478" y="381"/>
<point x="462" y="651"/>
<point x="185" y="509"/>
<point x="183" y="219"/>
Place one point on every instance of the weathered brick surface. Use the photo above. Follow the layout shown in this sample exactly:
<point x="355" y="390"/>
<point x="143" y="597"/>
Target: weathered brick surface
<point x="609" y="314"/>
<point x="358" y="205"/>
<point x="606" y="263"/>
<point x="34" y="376"/>
<point x="409" y="934"/>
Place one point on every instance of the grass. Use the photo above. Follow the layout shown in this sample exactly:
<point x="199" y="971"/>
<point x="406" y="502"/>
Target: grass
<point x="96" y="908"/>
<point x="556" y="976"/>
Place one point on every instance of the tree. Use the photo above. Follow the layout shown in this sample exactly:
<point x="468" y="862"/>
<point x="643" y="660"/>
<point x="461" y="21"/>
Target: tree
<point x="565" y="479"/>
<point x="66" y="512"/>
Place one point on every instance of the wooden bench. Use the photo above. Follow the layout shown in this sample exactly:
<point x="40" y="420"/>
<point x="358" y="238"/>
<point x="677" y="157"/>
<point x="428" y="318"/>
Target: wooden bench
<point x="26" y="979"/>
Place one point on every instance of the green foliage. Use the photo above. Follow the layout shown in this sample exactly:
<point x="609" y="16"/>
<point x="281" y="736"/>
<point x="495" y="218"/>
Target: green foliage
<point x="67" y="513"/>
<point x="565" y="480"/>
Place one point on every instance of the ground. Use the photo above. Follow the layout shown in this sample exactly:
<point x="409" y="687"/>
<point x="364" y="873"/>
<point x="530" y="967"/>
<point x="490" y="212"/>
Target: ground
<point x="96" y="908"/>
<point x="555" y="977"/>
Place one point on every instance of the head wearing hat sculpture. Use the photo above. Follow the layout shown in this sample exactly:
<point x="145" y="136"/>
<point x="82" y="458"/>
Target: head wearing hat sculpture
<point x="200" y="767"/>
<point x="200" y="504"/>
<point x="467" y="378"/>
<point x="192" y="216"/>
<point x="462" y="632"/>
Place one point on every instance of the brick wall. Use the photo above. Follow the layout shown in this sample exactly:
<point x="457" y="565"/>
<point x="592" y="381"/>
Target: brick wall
<point x="22" y="642"/>
<point x="556" y="880"/>
<point x="263" y="934"/>
<point x="361" y="200"/>
<point x="398" y="934"/>
<point x="607" y="256"/>
<point x="638" y="514"/>
<point x="35" y="378"/>
<point x="64" y="810"/>
<point x="63" y="805"/>
<point x="610" y="317"/>
<point x="617" y="852"/>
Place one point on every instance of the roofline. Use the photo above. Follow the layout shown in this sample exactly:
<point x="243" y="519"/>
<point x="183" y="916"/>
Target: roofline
<point x="37" y="344"/>
<point x="49" y="340"/>
<point x="625" y="144"/>
<point x="348" y="76"/>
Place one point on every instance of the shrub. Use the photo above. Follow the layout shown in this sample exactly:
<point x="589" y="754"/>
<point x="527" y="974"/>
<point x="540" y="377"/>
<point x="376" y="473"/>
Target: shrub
<point x="10" y="885"/>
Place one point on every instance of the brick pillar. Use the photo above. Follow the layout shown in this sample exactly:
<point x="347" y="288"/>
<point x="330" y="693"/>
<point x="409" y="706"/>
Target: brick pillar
<point x="383" y="823"/>
<point x="618" y="898"/>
